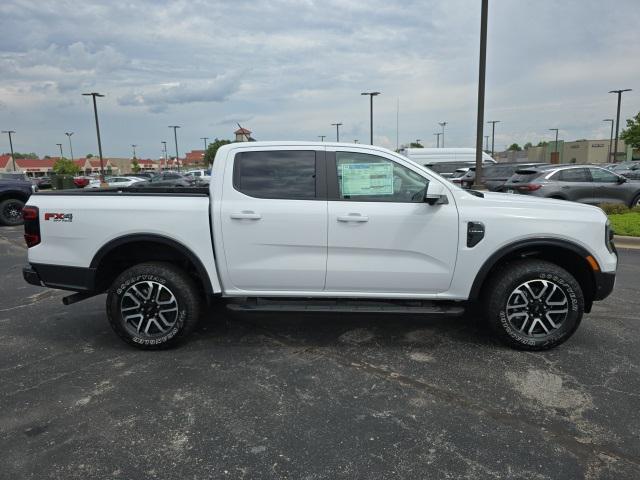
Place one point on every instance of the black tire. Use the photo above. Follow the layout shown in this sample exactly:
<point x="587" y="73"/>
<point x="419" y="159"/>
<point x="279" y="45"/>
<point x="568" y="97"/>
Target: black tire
<point x="635" y="202"/>
<point x="11" y="212"/>
<point x="526" y="322"/>
<point x="154" y="286"/>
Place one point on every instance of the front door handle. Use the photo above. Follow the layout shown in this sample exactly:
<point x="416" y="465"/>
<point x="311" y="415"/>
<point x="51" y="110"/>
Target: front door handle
<point x="353" y="217"/>
<point x="246" y="215"/>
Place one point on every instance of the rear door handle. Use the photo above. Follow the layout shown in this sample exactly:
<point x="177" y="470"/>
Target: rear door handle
<point x="246" y="215"/>
<point x="353" y="217"/>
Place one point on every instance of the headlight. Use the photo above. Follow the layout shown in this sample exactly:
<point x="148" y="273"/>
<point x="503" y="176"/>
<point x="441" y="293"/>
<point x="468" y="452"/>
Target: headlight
<point x="608" y="238"/>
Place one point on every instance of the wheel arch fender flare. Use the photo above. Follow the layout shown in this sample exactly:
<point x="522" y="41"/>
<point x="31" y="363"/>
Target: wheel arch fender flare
<point x="522" y="245"/>
<point x="155" y="238"/>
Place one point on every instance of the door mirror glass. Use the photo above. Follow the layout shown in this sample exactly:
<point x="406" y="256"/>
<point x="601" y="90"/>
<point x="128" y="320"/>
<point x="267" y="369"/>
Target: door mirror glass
<point x="622" y="179"/>
<point x="436" y="194"/>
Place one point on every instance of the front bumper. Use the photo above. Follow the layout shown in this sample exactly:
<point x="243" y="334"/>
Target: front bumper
<point x="604" y="283"/>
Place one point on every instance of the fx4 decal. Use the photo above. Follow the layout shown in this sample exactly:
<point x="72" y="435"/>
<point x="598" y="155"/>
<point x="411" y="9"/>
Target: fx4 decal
<point x="58" y="217"/>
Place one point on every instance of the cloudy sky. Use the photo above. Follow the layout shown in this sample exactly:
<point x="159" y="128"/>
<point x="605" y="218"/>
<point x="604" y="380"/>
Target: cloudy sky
<point x="287" y="69"/>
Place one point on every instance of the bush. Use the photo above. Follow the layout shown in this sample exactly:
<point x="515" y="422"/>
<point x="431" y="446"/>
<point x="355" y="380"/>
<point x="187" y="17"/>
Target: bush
<point x="64" y="166"/>
<point x="617" y="208"/>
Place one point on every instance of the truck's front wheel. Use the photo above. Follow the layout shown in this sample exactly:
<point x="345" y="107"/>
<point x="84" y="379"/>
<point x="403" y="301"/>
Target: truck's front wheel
<point x="533" y="304"/>
<point x="153" y="305"/>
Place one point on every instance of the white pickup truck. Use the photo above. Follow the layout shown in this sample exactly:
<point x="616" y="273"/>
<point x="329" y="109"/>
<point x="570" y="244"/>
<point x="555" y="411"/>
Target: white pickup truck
<point x="322" y="227"/>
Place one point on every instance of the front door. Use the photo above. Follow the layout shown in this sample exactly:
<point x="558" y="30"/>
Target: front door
<point x="383" y="237"/>
<point x="274" y="220"/>
<point x="606" y="187"/>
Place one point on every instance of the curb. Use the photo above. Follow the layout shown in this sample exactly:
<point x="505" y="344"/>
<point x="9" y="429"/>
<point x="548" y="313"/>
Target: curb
<point x="622" y="241"/>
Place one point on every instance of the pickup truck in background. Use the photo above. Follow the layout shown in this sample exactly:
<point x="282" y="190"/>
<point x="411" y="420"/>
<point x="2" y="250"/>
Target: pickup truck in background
<point x="15" y="191"/>
<point x="322" y="227"/>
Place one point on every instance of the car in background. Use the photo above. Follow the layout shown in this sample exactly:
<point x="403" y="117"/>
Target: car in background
<point x="143" y="175"/>
<point x="15" y="190"/>
<point x="631" y="169"/>
<point x="494" y="176"/>
<point x="81" y="182"/>
<point x="167" y="180"/>
<point x="430" y="156"/>
<point x="456" y="177"/>
<point x="42" y="182"/>
<point x="200" y="176"/>
<point x="578" y="183"/>
<point x="114" y="182"/>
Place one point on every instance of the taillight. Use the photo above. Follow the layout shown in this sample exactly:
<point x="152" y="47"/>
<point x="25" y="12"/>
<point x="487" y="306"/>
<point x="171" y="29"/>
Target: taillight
<point x="31" y="225"/>
<point x="531" y="187"/>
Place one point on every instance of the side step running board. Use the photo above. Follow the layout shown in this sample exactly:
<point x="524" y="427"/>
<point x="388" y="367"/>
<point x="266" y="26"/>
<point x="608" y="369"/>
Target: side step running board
<point x="259" y="304"/>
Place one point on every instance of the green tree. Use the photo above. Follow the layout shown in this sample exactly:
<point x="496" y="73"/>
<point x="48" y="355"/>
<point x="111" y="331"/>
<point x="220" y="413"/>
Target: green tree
<point x="631" y="134"/>
<point x="64" y="166"/>
<point x="542" y="144"/>
<point x="89" y="155"/>
<point x="515" y="147"/>
<point x="135" y="166"/>
<point x="18" y="155"/>
<point x="528" y="145"/>
<point x="212" y="149"/>
<point x="416" y="145"/>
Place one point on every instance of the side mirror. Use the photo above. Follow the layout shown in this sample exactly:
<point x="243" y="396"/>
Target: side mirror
<point x="435" y="194"/>
<point x="621" y="179"/>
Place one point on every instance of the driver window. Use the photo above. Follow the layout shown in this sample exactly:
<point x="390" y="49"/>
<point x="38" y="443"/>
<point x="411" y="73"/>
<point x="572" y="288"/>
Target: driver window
<point x="600" y="175"/>
<point x="365" y="178"/>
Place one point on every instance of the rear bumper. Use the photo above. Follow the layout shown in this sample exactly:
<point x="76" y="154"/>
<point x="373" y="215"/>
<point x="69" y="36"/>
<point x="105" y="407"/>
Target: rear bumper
<point x="77" y="279"/>
<point x="604" y="283"/>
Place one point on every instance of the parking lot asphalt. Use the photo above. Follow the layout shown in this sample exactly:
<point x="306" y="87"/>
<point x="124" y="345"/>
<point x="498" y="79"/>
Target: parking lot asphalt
<point x="319" y="396"/>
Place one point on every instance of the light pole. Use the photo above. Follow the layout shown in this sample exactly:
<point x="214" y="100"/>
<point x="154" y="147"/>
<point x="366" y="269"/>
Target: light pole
<point x="486" y="143"/>
<point x="371" y="95"/>
<point x="133" y="145"/>
<point x="205" y="142"/>
<point x="438" y="137"/>
<point x="13" y="160"/>
<point x="555" y="148"/>
<point x="68" y="134"/>
<point x="493" y="134"/>
<point x="321" y="137"/>
<point x="175" y="137"/>
<point x="337" y="125"/>
<point x="164" y="149"/>
<point x="610" y="136"/>
<point x="619" y="92"/>
<point x="482" y="68"/>
<point x="60" y="145"/>
<point x="95" y="112"/>
<point x="442" y="124"/>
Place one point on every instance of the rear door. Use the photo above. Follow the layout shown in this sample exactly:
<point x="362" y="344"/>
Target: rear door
<point x="574" y="184"/>
<point x="383" y="238"/>
<point x="274" y="220"/>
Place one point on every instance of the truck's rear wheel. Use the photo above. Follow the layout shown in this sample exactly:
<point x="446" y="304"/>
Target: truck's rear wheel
<point x="11" y="212"/>
<point x="153" y="305"/>
<point x="533" y="304"/>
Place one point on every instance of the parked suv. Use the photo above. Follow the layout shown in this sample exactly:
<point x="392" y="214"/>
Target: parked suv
<point x="631" y="170"/>
<point x="494" y="176"/>
<point x="579" y="183"/>
<point x="15" y="190"/>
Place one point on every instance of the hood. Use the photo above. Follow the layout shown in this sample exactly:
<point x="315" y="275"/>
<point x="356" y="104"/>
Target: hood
<point x="514" y="199"/>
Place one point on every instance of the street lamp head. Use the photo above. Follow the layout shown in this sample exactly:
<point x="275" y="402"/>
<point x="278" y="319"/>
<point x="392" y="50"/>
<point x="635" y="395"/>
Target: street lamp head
<point x="608" y="120"/>
<point x="554" y="129"/>
<point x="8" y="131"/>
<point x="93" y="94"/>
<point x="174" y="126"/>
<point x="68" y="134"/>
<point x="373" y="94"/>
<point x="620" y="91"/>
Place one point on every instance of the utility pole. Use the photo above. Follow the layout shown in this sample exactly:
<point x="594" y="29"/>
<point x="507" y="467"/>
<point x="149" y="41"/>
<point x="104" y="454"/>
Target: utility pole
<point x="438" y="137"/>
<point x="371" y="95"/>
<point x="205" y="142"/>
<point x="95" y="112"/>
<point x="60" y="145"/>
<point x="619" y="92"/>
<point x="164" y="149"/>
<point x="555" y="148"/>
<point x="486" y="143"/>
<point x="13" y="160"/>
<point x="493" y="135"/>
<point x="442" y="124"/>
<point x="337" y="125"/>
<point x="477" y="183"/>
<point x="321" y="137"/>
<point x="175" y="137"/>
<point x="610" y="136"/>
<point x="68" y="134"/>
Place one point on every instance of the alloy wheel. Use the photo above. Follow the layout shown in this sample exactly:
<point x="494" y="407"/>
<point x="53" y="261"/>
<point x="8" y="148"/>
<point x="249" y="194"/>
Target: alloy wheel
<point x="537" y="308"/>
<point x="149" y="309"/>
<point x="12" y="210"/>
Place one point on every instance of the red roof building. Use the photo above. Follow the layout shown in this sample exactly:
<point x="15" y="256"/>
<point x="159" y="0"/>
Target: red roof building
<point x="194" y="157"/>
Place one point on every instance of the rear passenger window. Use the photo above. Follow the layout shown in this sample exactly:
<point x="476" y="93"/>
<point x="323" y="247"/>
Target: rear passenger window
<point x="573" y="175"/>
<point x="286" y="175"/>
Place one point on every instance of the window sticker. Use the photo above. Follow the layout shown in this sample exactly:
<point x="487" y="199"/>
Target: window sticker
<point x="366" y="179"/>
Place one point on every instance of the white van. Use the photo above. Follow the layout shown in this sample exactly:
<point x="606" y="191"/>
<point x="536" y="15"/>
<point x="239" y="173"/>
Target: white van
<point x="429" y="156"/>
